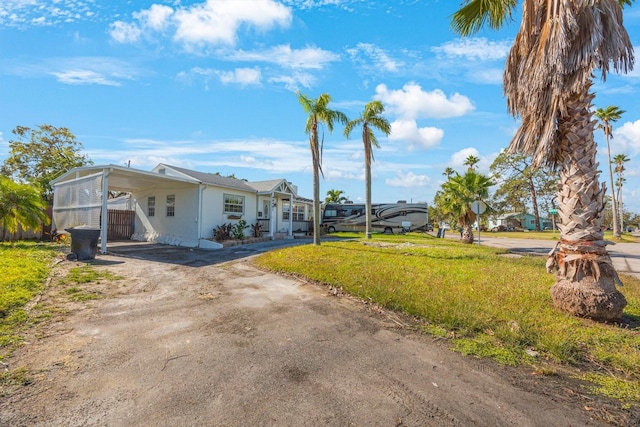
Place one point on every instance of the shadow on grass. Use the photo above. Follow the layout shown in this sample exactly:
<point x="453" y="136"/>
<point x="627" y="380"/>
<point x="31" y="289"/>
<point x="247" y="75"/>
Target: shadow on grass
<point x="630" y="321"/>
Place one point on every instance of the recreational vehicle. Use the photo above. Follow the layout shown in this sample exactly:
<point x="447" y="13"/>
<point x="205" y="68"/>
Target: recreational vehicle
<point x="385" y="217"/>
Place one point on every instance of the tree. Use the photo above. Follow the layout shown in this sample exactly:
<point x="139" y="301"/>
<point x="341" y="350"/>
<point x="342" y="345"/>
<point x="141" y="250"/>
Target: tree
<point x="335" y="196"/>
<point x="547" y="83"/>
<point x="520" y="184"/>
<point x="457" y="195"/>
<point x="369" y="120"/>
<point x="318" y="114"/>
<point x="471" y="161"/>
<point x="20" y="205"/>
<point x="607" y="116"/>
<point x="619" y="160"/>
<point x="448" y="172"/>
<point x="42" y="154"/>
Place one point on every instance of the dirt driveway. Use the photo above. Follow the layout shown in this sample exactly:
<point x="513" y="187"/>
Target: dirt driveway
<point x="194" y="338"/>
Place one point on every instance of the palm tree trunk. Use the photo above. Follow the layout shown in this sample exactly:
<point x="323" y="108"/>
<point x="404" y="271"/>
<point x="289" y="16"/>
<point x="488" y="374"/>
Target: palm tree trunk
<point x="614" y="207"/>
<point x="585" y="277"/>
<point x="367" y="168"/>
<point x="620" y="209"/>
<point x="467" y="233"/>
<point x="316" y="187"/>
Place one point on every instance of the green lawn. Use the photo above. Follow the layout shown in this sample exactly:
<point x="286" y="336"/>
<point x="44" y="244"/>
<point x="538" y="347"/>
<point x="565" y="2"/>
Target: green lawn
<point x="489" y="305"/>
<point x="24" y="267"/>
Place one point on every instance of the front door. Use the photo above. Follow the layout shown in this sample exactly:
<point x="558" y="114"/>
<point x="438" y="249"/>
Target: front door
<point x="266" y="209"/>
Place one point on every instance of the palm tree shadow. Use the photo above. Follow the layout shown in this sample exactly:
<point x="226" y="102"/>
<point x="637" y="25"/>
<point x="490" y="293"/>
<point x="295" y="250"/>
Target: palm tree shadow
<point x="630" y="321"/>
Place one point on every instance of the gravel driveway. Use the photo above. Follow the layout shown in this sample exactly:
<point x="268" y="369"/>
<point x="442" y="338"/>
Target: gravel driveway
<point x="195" y="338"/>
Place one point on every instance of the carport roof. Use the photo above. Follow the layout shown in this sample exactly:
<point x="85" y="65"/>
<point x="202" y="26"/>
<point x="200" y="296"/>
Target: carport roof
<point x="122" y="178"/>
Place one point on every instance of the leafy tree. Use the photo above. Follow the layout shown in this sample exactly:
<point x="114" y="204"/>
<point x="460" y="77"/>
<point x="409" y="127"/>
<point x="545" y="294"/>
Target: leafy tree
<point x="39" y="155"/>
<point x="335" y="196"/>
<point x="20" y="205"/>
<point x="319" y="113"/>
<point x="520" y="184"/>
<point x="619" y="160"/>
<point x="457" y="195"/>
<point x="607" y="116"/>
<point x="369" y="120"/>
<point x="471" y="161"/>
<point x="547" y="83"/>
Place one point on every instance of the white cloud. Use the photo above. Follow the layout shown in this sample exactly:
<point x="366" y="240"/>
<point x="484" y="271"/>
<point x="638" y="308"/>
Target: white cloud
<point x="411" y="102"/>
<point x="294" y="81"/>
<point x="214" y="22"/>
<point x="409" y="132"/>
<point x="24" y="13"/>
<point x="124" y="32"/>
<point x="376" y="58"/>
<point x="491" y="76"/>
<point x="458" y="158"/>
<point x="475" y="48"/>
<point x="627" y="138"/>
<point x="83" y="77"/>
<point x="408" y="180"/>
<point x="283" y="55"/>
<point x="241" y="76"/>
<point x="155" y="18"/>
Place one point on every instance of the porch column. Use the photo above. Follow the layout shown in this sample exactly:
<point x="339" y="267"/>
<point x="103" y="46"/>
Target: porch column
<point x="271" y="217"/>
<point x="104" y="223"/>
<point x="290" y="215"/>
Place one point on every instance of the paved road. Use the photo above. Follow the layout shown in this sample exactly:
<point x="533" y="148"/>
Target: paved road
<point x="625" y="256"/>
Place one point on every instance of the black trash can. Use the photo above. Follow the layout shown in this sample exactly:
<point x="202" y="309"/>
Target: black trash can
<point x="84" y="241"/>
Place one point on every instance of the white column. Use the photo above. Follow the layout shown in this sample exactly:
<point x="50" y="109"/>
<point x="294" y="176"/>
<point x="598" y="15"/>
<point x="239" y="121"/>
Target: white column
<point x="272" y="225"/>
<point x="290" y="215"/>
<point x="104" y="223"/>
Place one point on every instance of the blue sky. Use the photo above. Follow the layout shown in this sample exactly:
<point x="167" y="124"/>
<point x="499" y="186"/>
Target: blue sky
<point x="210" y="86"/>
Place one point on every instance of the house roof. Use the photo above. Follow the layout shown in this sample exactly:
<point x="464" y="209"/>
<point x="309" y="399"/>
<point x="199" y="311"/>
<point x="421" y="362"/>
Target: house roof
<point x="265" y="186"/>
<point x="212" y="179"/>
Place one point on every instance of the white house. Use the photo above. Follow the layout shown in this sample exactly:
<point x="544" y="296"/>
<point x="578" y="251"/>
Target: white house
<point x="176" y="206"/>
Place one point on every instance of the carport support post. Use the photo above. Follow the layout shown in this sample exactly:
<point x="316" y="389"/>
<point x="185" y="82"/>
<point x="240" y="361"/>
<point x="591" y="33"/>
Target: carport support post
<point x="105" y="204"/>
<point x="290" y="215"/>
<point x="271" y="217"/>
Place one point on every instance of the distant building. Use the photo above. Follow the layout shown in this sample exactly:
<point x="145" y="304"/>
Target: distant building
<point x="521" y="221"/>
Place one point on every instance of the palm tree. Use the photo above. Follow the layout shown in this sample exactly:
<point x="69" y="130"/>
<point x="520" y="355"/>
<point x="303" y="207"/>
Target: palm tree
<point x="448" y="172"/>
<point x="619" y="160"/>
<point x="607" y="116"/>
<point x="369" y="120"/>
<point x="457" y="195"/>
<point x="318" y="114"/>
<point x="335" y="196"/>
<point x="547" y="83"/>
<point x="20" y="205"/>
<point x="471" y="161"/>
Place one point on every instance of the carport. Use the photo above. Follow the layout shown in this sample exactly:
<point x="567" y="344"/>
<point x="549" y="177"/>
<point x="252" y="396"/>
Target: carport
<point x="81" y="195"/>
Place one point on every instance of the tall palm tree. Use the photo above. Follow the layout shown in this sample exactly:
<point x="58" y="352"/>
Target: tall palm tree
<point x="448" y="172"/>
<point x="369" y="120"/>
<point x="607" y="116"/>
<point x="471" y="161"/>
<point x="335" y="196"/>
<point x="318" y="114"/>
<point x="20" y="205"/>
<point x="547" y="83"/>
<point x="619" y="160"/>
<point x="457" y="195"/>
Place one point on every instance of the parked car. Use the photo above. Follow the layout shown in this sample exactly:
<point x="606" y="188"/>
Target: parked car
<point x="499" y="228"/>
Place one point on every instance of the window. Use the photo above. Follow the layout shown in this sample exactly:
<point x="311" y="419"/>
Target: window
<point x="151" y="206"/>
<point x="233" y="204"/>
<point x="285" y="212"/>
<point x="298" y="212"/>
<point x="171" y="205"/>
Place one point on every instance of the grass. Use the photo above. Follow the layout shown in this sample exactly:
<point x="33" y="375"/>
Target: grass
<point x="493" y="306"/>
<point x="24" y="266"/>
